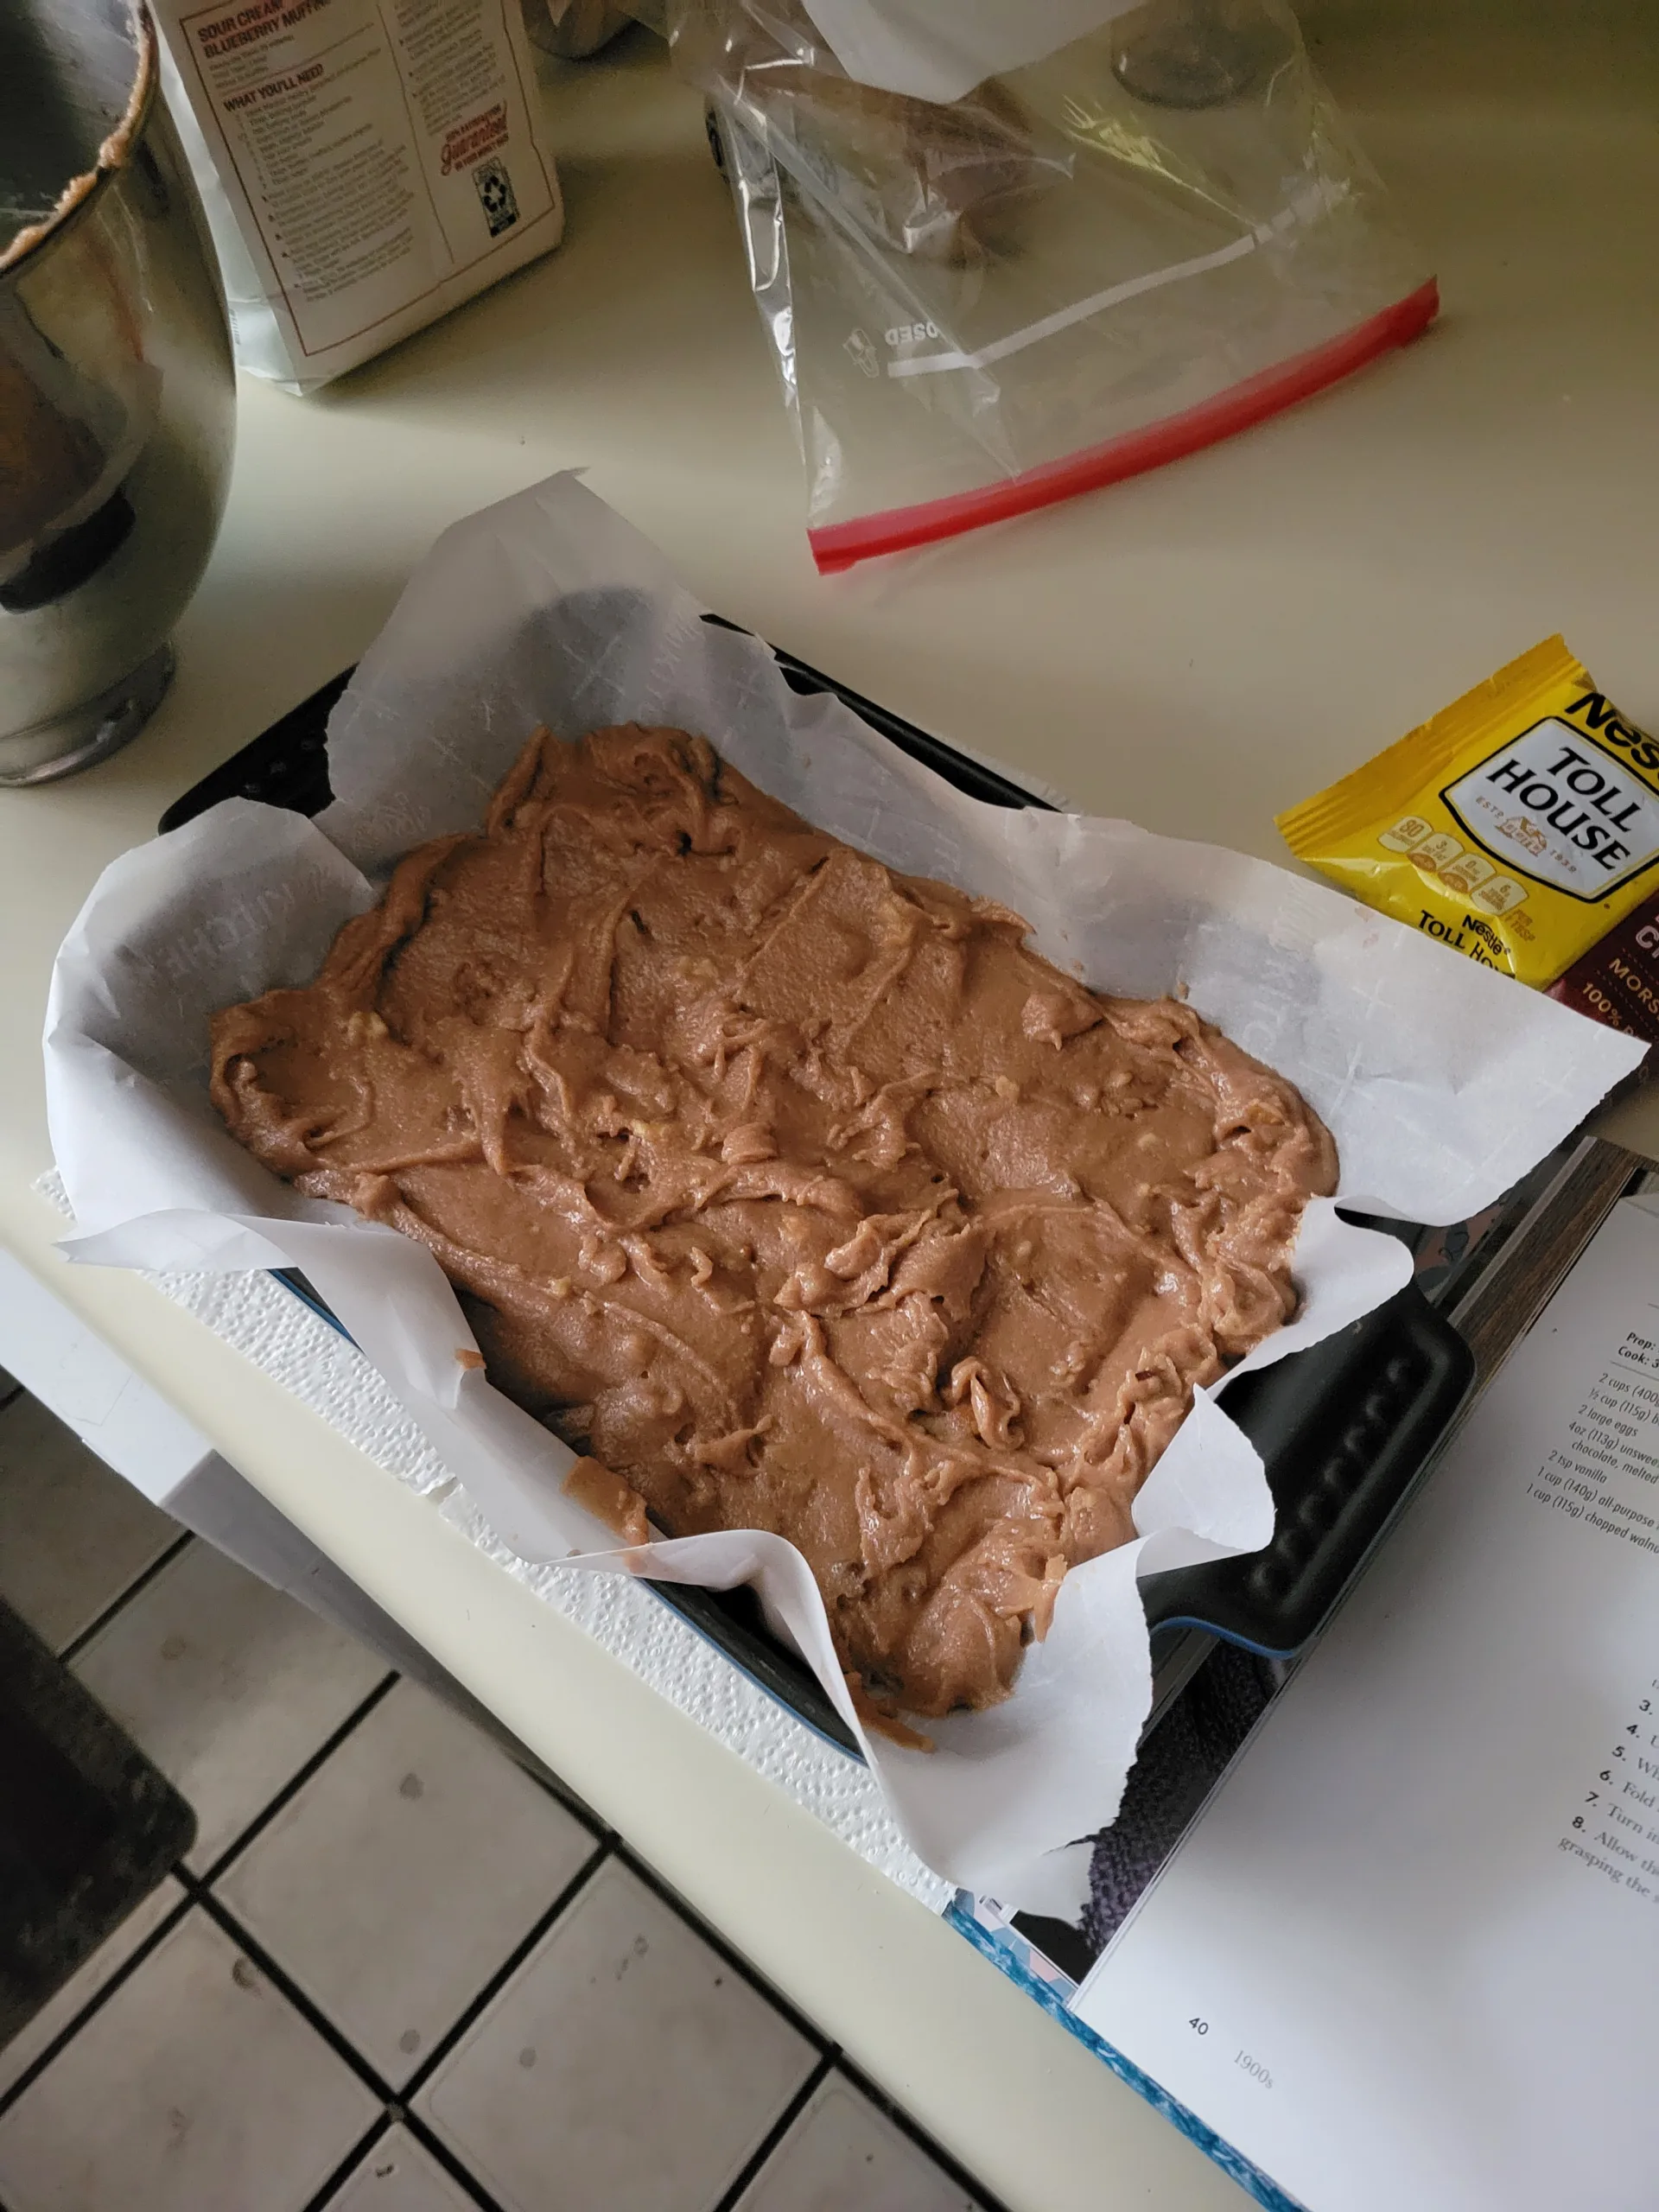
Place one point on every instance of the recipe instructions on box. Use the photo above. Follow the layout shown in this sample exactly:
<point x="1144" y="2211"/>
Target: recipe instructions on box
<point x="376" y="147"/>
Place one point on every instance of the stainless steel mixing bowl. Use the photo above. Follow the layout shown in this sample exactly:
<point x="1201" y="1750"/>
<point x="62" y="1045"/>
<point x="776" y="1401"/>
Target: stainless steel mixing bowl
<point x="117" y="392"/>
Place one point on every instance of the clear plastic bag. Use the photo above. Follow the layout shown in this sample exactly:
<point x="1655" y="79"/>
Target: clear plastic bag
<point x="1139" y="243"/>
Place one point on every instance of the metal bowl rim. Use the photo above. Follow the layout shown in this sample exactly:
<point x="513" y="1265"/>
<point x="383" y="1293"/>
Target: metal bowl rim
<point x="134" y="127"/>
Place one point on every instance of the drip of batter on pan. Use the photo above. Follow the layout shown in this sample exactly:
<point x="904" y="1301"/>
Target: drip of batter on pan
<point x="798" y="1194"/>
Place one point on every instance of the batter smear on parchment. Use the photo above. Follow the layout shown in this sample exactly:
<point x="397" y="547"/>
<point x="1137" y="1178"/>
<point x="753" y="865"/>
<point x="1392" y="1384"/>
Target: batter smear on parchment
<point x="798" y="1194"/>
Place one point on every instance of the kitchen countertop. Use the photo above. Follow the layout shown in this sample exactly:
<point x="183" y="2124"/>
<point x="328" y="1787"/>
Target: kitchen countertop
<point x="1196" y="650"/>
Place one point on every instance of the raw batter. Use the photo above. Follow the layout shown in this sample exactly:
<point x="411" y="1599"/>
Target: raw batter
<point x="798" y="1194"/>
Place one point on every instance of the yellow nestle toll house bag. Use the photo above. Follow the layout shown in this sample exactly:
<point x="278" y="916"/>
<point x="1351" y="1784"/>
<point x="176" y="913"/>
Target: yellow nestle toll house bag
<point x="1518" y="826"/>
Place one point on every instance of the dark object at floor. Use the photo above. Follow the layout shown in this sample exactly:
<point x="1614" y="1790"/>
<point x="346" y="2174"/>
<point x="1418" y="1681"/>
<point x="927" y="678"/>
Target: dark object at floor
<point x="88" y="1827"/>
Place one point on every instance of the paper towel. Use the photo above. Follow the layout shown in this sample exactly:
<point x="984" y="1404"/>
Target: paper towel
<point x="268" y="1324"/>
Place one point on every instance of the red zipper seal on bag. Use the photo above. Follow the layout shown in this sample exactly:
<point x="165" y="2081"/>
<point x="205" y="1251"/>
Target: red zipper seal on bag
<point x="840" y="544"/>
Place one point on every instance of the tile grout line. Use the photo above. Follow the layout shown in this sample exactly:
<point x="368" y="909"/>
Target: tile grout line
<point x="957" y="2174"/>
<point x="399" y="2102"/>
<point x="278" y="1976"/>
<point x="395" y="2106"/>
<point x="199" y="1891"/>
<point x="199" y="1896"/>
<point x="393" y="2109"/>
<point x="77" y="1644"/>
<point x="321" y="2197"/>
<point x="756" y="2162"/>
<point x="123" y="1973"/>
<point x="509" y="1967"/>
<point x="296" y="1781"/>
<point x="441" y="2155"/>
<point x="396" y="2116"/>
<point x="527" y="1763"/>
<point x="718" y="1944"/>
<point x="396" y="2102"/>
<point x="283" y="1983"/>
<point x="389" y="2116"/>
<point x="833" y="2057"/>
<point x="191" y="1883"/>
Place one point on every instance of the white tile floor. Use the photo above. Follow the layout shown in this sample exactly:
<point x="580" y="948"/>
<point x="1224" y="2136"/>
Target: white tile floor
<point x="396" y="1973"/>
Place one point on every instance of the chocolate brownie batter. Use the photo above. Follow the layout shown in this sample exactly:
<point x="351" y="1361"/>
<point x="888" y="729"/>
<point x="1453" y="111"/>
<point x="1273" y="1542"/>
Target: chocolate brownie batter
<point x="797" y="1194"/>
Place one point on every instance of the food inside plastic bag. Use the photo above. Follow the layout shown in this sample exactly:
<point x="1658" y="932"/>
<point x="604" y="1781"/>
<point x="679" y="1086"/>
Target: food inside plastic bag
<point x="1139" y="242"/>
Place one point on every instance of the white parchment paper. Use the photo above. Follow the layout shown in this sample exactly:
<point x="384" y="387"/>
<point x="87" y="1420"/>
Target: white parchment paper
<point x="1442" y="1082"/>
<point x="940" y="49"/>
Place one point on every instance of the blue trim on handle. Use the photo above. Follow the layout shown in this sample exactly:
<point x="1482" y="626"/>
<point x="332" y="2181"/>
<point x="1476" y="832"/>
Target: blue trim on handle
<point x="1227" y="1636"/>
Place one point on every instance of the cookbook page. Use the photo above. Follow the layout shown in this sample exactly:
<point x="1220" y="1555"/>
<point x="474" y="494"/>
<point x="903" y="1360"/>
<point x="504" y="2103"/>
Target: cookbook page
<point x="1409" y="1953"/>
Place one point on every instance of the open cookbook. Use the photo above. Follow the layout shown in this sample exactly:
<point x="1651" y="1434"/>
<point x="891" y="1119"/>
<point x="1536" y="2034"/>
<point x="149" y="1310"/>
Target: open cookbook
<point x="1407" y="1952"/>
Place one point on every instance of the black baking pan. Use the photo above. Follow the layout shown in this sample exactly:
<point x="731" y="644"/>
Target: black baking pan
<point x="1342" y="1428"/>
<point x="730" y="1619"/>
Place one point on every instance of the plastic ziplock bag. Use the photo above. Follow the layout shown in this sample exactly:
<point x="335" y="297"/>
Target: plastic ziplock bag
<point x="1147" y="239"/>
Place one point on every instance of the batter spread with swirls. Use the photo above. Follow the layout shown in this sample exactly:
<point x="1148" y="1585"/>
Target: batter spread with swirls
<point x="795" y="1193"/>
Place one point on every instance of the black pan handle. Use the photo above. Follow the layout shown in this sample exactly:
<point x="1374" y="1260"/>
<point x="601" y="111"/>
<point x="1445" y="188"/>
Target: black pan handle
<point x="1345" y="1429"/>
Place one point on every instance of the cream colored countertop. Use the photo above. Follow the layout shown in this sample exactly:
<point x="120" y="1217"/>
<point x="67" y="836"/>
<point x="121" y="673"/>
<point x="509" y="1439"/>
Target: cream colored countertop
<point x="1195" y="649"/>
